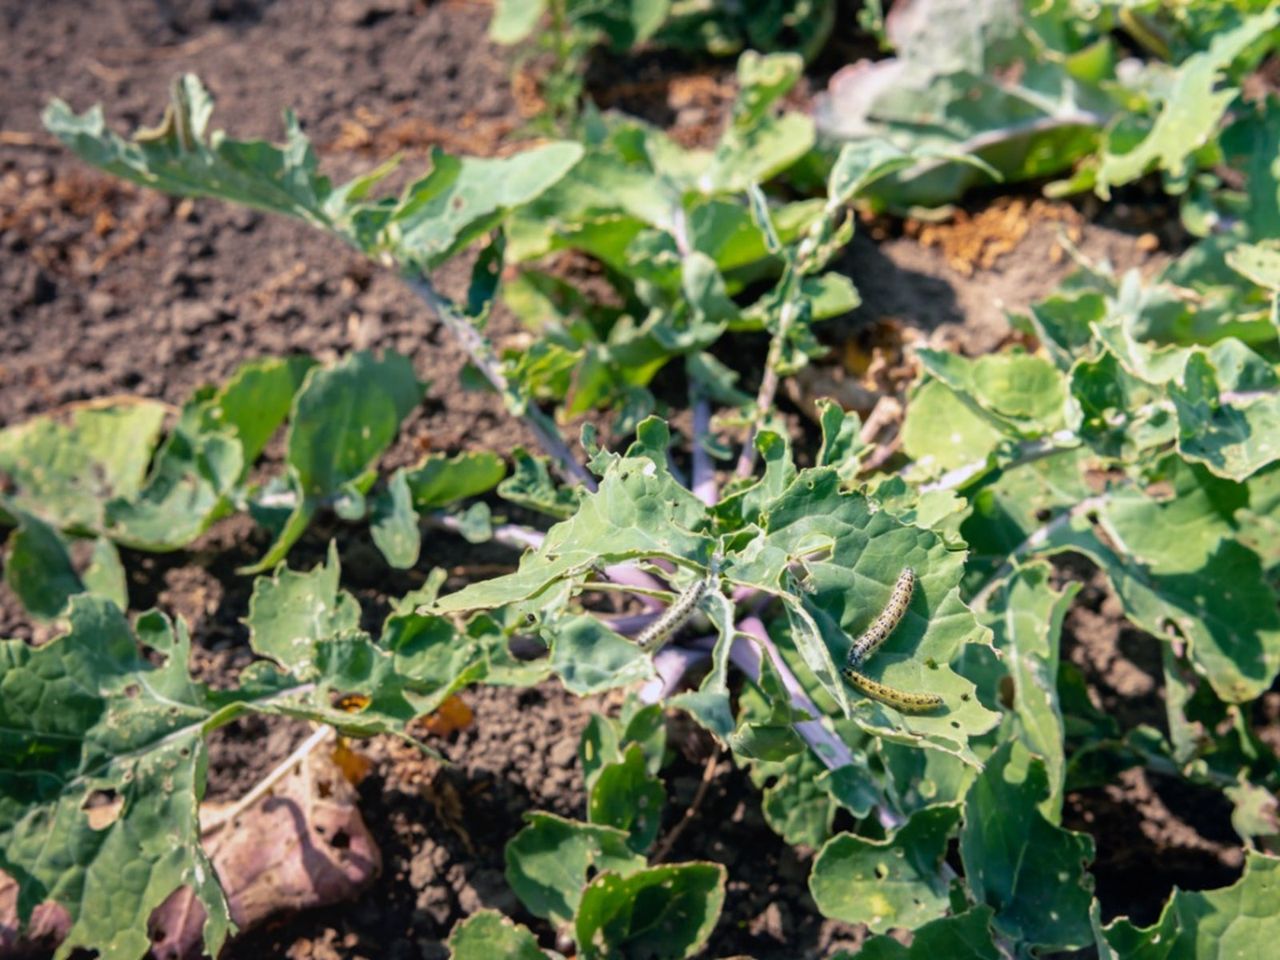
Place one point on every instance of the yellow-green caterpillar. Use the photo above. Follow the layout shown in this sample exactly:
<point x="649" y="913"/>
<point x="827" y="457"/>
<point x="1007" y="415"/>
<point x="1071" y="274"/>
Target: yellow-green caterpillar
<point x="870" y="642"/>
<point x="674" y="617"/>
<point x="904" y="701"/>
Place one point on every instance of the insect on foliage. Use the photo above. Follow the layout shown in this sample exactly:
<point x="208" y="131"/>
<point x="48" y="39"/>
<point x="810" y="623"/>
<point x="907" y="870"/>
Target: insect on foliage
<point x="871" y="641"/>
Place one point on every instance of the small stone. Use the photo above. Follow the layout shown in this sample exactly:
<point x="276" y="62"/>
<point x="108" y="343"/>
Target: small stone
<point x="1148" y="243"/>
<point x="563" y="753"/>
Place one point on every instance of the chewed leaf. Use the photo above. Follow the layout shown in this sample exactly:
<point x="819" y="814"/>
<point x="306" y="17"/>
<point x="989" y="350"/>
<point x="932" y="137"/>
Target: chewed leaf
<point x="65" y="467"/>
<point x="638" y="512"/>
<point x="847" y="557"/>
<point x="896" y="882"/>
<point x="1236" y="921"/>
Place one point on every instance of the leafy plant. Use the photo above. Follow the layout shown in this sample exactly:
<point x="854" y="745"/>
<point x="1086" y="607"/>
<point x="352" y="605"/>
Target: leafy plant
<point x="1136" y="423"/>
<point x="575" y="27"/>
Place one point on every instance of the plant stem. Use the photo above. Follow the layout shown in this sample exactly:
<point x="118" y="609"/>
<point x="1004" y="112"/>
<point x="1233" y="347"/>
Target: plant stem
<point x="704" y="474"/>
<point x="482" y="355"/>
<point x="768" y="388"/>
<point x="671" y="663"/>
<point x="830" y="749"/>
<point x="1038" y="538"/>
<point x="508" y="534"/>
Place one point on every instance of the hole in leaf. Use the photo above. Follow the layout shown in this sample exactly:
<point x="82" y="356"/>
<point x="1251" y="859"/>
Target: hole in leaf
<point x="341" y="840"/>
<point x="102" y="808"/>
<point x="349" y="702"/>
<point x="132" y="691"/>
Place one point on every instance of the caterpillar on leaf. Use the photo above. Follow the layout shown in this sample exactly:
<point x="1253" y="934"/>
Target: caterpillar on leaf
<point x="871" y="641"/>
<point x="674" y="617"/>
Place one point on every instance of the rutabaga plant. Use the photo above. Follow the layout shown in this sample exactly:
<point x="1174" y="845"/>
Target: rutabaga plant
<point x="566" y="31"/>
<point x="930" y="709"/>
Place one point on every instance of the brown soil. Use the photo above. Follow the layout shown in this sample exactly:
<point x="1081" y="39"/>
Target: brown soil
<point x="109" y="289"/>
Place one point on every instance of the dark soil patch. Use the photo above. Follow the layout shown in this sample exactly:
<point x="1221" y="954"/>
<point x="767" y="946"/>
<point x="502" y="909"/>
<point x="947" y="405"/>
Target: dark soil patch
<point x="109" y="289"/>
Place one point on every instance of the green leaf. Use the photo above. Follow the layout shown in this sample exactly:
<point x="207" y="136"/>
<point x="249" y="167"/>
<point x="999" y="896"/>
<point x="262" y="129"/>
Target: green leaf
<point x="862" y="163"/>
<point x="210" y="450"/>
<point x="102" y="766"/>
<point x="660" y="912"/>
<point x="1031" y="872"/>
<point x="311" y="628"/>
<point x="625" y="796"/>
<point x="549" y="861"/>
<point x="1027" y="624"/>
<point x="462" y="198"/>
<point x="37" y="566"/>
<point x="488" y="935"/>
<point x="180" y="157"/>
<point x="1228" y="410"/>
<point x="344" y="417"/>
<point x="393" y="523"/>
<point x="290" y="611"/>
<point x="1193" y="107"/>
<point x="1256" y="263"/>
<point x="514" y="20"/>
<point x="1235" y="921"/>
<point x="941" y="432"/>
<point x="1225" y="609"/>
<point x="590" y="658"/>
<point x="1021" y="392"/>
<point x="796" y="801"/>
<point x="895" y="882"/>
<point x="439" y="480"/>
<point x="842" y="445"/>
<point x="105" y="574"/>
<point x="639" y="511"/>
<point x="966" y="937"/>
<point x="531" y="485"/>
<point x="65" y="467"/>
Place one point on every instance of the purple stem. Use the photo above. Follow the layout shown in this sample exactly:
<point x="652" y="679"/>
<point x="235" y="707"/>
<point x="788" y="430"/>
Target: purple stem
<point x="704" y="474"/>
<point x="632" y="576"/>
<point x="671" y="663"/>
<point x="831" y="750"/>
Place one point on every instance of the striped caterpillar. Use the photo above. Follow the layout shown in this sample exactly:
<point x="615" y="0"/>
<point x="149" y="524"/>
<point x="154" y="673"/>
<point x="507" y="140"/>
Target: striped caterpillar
<point x="904" y="701"/>
<point x="889" y="618"/>
<point x="674" y="617"/>
<point x="870" y="642"/>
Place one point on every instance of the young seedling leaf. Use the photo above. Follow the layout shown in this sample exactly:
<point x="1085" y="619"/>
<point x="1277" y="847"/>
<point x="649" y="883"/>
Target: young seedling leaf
<point x="625" y="795"/>
<point x="488" y="935"/>
<point x="551" y="859"/>
<point x="343" y="418"/>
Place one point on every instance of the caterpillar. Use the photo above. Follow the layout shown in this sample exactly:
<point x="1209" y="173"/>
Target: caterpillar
<point x="870" y="642"/>
<point x="674" y="617"/>
<point x="889" y="618"/>
<point x="904" y="701"/>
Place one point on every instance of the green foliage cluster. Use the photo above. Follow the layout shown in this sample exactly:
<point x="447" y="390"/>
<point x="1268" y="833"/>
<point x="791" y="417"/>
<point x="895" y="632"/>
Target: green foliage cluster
<point x="1142" y="432"/>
